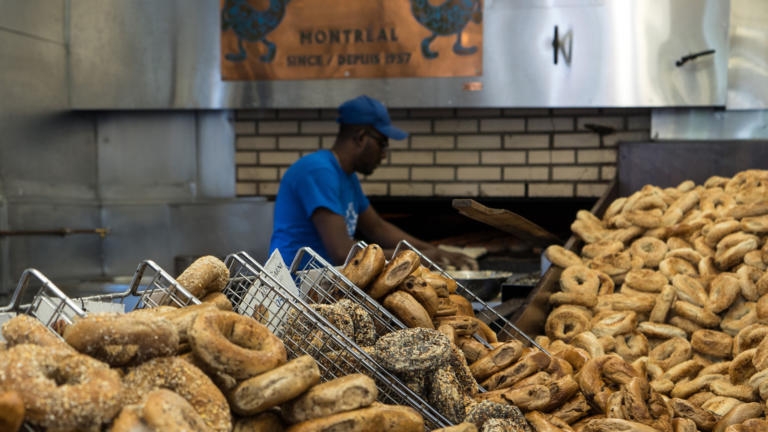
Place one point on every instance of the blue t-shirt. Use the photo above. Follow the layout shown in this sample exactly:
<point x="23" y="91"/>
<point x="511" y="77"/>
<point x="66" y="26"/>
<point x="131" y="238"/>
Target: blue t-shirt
<point x="316" y="180"/>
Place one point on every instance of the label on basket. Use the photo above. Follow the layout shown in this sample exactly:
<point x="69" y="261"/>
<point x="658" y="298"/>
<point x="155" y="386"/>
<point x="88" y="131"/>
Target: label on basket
<point x="265" y="303"/>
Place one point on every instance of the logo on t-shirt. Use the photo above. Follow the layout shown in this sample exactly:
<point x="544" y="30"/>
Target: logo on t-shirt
<point x="351" y="219"/>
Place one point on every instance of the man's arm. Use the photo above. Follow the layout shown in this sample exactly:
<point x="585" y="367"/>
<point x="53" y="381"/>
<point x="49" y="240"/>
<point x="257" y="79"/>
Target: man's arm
<point x="387" y="235"/>
<point x="333" y="232"/>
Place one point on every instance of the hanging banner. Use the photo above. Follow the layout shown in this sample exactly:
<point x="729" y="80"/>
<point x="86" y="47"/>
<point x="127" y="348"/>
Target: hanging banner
<point x="320" y="39"/>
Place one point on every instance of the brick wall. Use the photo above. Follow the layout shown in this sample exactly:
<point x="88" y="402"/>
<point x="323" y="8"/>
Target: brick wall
<point x="510" y="153"/>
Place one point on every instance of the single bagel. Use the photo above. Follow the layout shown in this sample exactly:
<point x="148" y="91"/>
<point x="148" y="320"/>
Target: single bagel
<point x="690" y="289"/>
<point x="275" y="386"/>
<point x="663" y="304"/>
<point x="496" y="360"/>
<point x="646" y="212"/>
<point x="749" y="337"/>
<point x="394" y="273"/>
<point x="235" y="344"/>
<point x="724" y="289"/>
<point x="405" y="307"/>
<point x="615" y="265"/>
<point x="650" y="249"/>
<point x="739" y="315"/>
<point x="424" y="294"/>
<point x="123" y="339"/>
<point x="739" y="414"/>
<point x="703" y="419"/>
<point x="529" y="363"/>
<point x="728" y="258"/>
<point x="179" y="376"/>
<point x="587" y="341"/>
<point x="337" y="395"/>
<point x="267" y="421"/>
<point x="686" y="253"/>
<point x="631" y="346"/>
<point x="711" y="342"/>
<point x="412" y="350"/>
<point x="61" y="388"/>
<point x="25" y="329"/>
<point x="601" y="374"/>
<point x="698" y="315"/>
<point x="205" y="275"/>
<point x="561" y="256"/>
<point x="646" y="280"/>
<point x="755" y="224"/>
<point x="365" y="265"/>
<point x="614" y="323"/>
<point x="742" y="367"/>
<point x="161" y="409"/>
<point x="715" y="232"/>
<point x="464" y="325"/>
<point x="660" y="330"/>
<point x="378" y="417"/>
<point x="640" y="303"/>
<point x="672" y="266"/>
<point x="685" y="370"/>
<point x="670" y="352"/>
<point x="593" y="250"/>
<point x="566" y="321"/>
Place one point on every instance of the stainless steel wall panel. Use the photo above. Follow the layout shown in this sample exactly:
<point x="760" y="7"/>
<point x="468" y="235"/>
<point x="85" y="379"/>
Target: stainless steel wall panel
<point x="42" y="19"/>
<point x="748" y="61"/>
<point x="34" y="75"/>
<point x="707" y="124"/>
<point x="216" y="154"/>
<point x="221" y="228"/>
<point x="45" y="151"/>
<point x="147" y="156"/>
<point x="138" y="231"/>
<point x="71" y="256"/>
<point x="166" y="55"/>
<point x="48" y="155"/>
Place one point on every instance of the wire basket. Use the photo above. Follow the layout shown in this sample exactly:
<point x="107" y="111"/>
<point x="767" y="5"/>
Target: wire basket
<point x="255" y="292"/>
<point x="37" y="296"/>
<point x="320" y="282"/>
<point x="504" y="329"/>
<point x="150" y="287"/>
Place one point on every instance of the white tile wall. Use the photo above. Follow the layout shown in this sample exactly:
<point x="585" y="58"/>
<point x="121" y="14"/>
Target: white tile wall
<point x="452" y="152"/>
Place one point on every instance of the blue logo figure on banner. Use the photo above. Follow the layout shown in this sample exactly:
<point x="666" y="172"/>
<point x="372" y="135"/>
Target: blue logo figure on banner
<point x="252" y="25"/>
<point x="447" y="19"/>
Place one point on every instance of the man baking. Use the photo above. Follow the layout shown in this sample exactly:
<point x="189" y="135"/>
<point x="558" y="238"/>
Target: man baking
<point x="321" y="204"/>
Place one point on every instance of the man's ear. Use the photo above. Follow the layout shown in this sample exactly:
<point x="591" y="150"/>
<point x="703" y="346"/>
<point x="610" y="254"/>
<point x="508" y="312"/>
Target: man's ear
<point x="360" y="136"/>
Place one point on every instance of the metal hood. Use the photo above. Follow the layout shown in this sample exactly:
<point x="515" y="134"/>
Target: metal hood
<point x="146" y="54"/>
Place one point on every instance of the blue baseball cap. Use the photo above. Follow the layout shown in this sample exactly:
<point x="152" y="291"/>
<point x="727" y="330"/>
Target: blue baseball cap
<point x="364" y="110"/>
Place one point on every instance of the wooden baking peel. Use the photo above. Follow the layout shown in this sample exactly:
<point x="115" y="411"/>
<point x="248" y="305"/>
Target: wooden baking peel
<point x="507" y="221"/>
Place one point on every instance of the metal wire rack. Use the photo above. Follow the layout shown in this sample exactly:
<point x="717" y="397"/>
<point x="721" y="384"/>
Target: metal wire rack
<point x="505" y="330"/>
<point x="37" y="296"/>
<point x="320" y="282"/>
<point x="150" y="287"/>
<point x="255" y="292"/>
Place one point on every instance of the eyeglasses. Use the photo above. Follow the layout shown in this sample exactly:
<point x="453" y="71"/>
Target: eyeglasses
<point x="381" y="141"/>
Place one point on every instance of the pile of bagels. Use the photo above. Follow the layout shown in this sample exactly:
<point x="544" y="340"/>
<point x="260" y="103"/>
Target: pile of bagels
<point x="478" y="369"/>
<point x="663" y="312"/>
<point x="195" y="368"/>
